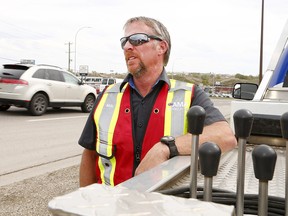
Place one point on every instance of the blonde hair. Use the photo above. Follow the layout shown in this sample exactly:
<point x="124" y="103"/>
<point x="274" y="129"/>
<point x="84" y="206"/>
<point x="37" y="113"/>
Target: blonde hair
<point x="159" y="30"/>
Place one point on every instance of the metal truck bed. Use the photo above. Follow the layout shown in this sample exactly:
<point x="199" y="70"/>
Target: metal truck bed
<point x="124" y="199"/>
<point x="226" y="177"/>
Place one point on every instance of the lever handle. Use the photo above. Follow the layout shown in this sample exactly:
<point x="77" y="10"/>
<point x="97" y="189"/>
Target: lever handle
<point x="284" y="125"/>
<point x="196" y="116"/>
<point x="209" y="157"/>
<point x="243" y="120"/>
<point x="264" y="159"/>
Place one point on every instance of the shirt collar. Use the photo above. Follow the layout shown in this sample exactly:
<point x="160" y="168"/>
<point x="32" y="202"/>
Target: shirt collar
<point x="129" y="79"/>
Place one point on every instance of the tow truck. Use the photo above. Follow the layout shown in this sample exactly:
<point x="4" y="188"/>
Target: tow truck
<point x="248" y="180"/>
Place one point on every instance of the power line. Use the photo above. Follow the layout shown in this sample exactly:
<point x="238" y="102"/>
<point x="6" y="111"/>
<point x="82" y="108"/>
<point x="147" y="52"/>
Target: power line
<point x="9" y="59"/>
<point x="25" y="30"/>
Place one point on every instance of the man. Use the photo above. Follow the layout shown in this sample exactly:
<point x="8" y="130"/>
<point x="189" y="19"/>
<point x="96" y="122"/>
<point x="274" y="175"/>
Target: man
<point x="123" y="132"/>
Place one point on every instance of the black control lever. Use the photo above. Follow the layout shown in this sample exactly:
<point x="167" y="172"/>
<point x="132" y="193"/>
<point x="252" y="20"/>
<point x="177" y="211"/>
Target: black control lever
<point x="284" y="128"/>
<point x="264" y="160"/>
<point x="195" y="116"/>
<point x="209" y="157"/>
<point x="243" y="120"/>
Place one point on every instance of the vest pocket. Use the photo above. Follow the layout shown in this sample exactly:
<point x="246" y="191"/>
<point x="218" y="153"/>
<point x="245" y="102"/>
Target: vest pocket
<point x="105" y="150"/>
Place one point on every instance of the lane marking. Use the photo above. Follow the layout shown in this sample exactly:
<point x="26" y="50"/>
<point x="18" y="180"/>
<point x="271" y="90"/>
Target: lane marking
<point x="52" y="119"/>
<point x="38" y="165"/>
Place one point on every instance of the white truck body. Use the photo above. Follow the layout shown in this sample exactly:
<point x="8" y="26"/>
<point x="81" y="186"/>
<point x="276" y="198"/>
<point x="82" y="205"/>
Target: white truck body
<point x="271" y="98"/>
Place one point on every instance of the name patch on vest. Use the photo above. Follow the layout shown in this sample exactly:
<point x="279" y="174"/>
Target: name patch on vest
<point x="109" y="105"/>
<point x="177" y="105"/>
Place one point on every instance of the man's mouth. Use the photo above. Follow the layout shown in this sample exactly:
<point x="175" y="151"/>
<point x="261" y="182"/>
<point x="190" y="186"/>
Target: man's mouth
<point x="130" y="58"/>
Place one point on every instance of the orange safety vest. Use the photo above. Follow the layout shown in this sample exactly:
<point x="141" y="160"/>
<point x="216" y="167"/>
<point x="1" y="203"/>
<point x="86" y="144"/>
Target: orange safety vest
<point x="113" y="120"/>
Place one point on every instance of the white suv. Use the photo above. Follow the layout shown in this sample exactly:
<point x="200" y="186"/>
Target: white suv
<point x="37" y="87"/>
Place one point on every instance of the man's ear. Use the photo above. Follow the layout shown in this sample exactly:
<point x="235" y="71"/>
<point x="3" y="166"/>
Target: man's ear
<point x="163" y="47"/>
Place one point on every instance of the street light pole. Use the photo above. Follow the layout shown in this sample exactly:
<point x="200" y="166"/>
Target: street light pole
<point x="75" y="55"/>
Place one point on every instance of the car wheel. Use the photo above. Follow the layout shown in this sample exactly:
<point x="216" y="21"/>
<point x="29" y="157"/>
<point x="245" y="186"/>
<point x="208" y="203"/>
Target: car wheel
<point x="4" y="107"/>
<point x="88" y="103"/>
<point x="38" y="104"/>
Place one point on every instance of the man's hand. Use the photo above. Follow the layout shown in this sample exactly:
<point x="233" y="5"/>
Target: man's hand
<point x="155" y="156"/>
<point x="218" y="132"/>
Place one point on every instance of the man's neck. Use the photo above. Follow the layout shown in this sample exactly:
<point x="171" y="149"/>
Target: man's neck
<point x="145" y="83"/>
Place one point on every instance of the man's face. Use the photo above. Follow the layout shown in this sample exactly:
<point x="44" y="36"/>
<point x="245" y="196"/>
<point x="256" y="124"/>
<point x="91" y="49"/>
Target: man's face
<point x="140" y="58"/>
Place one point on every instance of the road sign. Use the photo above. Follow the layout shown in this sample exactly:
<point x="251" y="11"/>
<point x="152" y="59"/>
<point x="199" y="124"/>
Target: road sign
<point x="83" y="70"/>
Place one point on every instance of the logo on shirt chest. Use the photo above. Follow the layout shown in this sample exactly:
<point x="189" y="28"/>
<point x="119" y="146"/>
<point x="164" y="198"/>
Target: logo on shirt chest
<point x="177" y="105"/>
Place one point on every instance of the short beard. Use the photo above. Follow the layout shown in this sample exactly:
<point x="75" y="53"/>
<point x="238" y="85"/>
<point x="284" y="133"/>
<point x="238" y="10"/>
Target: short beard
<point x="140" y="71"/>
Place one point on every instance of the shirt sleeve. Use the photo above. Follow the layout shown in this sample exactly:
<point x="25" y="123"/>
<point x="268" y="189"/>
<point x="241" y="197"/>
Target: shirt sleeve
<point x="88" y="136"/>
<point x="213" y="114"/>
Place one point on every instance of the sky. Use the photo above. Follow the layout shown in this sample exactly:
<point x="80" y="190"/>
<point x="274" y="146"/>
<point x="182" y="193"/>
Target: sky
<point x="208" y="36"/>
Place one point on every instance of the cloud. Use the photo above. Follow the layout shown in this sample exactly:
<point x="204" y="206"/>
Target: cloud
<point x="208" y="36"/>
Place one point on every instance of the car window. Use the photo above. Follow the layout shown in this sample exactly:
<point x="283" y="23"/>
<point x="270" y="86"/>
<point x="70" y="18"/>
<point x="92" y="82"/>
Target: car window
<point x="70" y="79"/>
<point x="98" y="80"/>
<point x="111" y="81"/>
<point x="40" y="74"/>
<point x="55" y="75"/>
<point x="104" y="81"/>
<point x="48" y="74"/>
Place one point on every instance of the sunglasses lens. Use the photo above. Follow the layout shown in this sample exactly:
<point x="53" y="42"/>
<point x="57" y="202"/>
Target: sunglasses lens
<point x="138" y="39"/>
<point x="123" y="41"/>
<point x="135" y="40"/>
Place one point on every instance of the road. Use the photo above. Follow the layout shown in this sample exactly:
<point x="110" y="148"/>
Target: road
<point x="34" y="145"/>
<point x="223" y="105"/>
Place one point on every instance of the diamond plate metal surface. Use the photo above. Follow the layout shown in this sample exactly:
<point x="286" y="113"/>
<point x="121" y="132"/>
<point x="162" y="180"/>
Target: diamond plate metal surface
<point x="226" y="178"/>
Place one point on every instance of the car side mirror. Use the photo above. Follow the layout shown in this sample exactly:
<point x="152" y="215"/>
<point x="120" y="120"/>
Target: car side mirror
<point x="244" y="91"/>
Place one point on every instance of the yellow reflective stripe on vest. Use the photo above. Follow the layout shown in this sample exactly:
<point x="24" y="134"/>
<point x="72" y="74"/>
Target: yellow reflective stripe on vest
<point x="177" y="105"/>
<point x="110" y="105"/>
<point x="188" y="98"/>
<point x="168" y="110"/>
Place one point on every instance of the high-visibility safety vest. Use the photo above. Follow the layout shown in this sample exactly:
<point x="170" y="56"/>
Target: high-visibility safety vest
<point x="113" y="120"/>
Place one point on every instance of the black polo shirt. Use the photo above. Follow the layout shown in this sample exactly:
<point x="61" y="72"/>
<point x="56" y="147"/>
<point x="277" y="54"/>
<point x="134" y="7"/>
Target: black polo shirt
<point x="141" y="110"/>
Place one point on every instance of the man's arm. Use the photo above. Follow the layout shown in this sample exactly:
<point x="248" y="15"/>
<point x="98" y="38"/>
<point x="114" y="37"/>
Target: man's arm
<point x="87" y="173"/>
<point x="218" y="132"/>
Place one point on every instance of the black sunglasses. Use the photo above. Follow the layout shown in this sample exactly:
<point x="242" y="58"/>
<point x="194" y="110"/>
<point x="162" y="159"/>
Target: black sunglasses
<point x="138" y="39"/>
